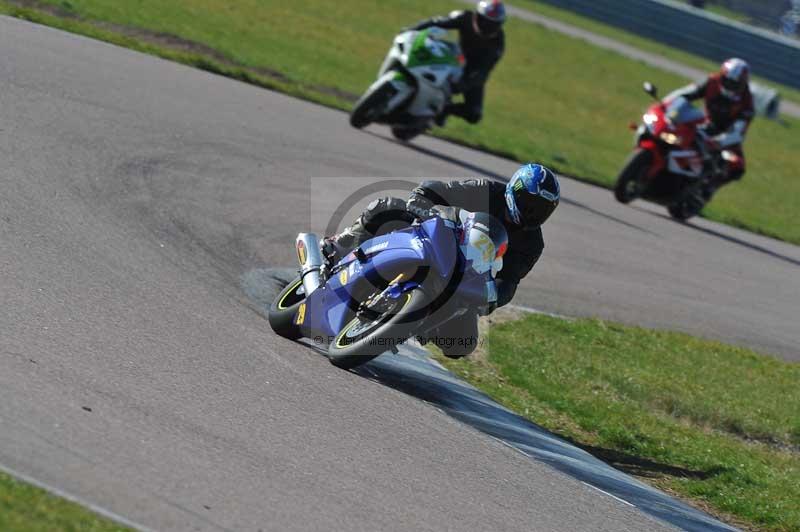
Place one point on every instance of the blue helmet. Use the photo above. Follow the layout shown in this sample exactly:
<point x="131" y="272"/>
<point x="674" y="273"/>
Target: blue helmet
<point x="532" y="194"/>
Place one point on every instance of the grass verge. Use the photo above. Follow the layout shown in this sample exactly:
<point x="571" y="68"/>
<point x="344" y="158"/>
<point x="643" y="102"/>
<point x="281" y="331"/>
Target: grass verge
<point x="24" y="508"/>
<point x="715" y="424"/>
<point x="553" y="99"/>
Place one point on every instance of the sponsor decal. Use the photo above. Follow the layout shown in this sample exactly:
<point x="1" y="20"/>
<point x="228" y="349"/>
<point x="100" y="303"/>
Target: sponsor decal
<point x="416" y="243"/>
<point x="301" y="314"/>
<point x="343" y="277"/>
<point x="485" y="246"/>
<point x="377" y="247"/>
<point x="354" y="268"/>
<point x="549" y="196"/>
<point x="301" y="252"/>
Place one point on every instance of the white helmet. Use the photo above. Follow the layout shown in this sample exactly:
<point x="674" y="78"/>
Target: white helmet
<point x="735" y="77"/>
<point x="489" y="16"/>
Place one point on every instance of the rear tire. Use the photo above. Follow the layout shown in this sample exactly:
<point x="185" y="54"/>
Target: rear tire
<point x="371" y="105"/>
<point x="352" y="347"/>
<point x="283" y="310"/>
<point x="629" y="183"/>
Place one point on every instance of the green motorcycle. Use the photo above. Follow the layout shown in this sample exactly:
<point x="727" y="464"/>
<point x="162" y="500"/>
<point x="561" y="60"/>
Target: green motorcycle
<point x="414" y="83"/>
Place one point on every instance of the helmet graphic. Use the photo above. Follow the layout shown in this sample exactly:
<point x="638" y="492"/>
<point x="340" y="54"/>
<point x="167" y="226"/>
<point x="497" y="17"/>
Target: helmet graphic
<point x="735" y="75"/>
<point x="489" y="16"/>
<point x="532" y="195"/>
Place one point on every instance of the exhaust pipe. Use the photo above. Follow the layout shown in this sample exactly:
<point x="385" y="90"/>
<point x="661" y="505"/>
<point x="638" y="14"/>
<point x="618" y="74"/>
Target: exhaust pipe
<point x="310" y="261"/>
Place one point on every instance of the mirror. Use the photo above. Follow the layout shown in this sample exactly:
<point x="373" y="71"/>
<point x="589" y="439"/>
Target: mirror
<point x="650" y="89"/>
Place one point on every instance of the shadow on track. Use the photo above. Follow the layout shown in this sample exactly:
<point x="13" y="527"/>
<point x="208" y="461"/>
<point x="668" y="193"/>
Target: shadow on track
<point x="476" y="169"/>
<point x="728" y="238"/>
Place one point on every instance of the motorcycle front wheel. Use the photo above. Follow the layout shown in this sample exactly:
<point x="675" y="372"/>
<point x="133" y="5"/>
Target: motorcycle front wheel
<point x="405" y="134"/>
<point x="284" y="308"/>
<point x="371" y="105"/>
<point x="629" y="182"/>
<point x="684" y="209"/>
<point x="368" y="335"/>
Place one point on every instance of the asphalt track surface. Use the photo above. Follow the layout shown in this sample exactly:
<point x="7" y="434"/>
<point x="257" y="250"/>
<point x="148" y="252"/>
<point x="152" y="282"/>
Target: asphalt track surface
<point x="137" y="375"/>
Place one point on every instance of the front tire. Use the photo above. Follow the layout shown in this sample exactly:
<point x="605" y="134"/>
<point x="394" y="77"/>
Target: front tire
<point x="284" y="308"/>
<point x="405" y="134"/>
<point x="685" y="208"/>
<point x="364" y="338"/>
<point x="371" y="105"/>
<point x="629" y="182"/>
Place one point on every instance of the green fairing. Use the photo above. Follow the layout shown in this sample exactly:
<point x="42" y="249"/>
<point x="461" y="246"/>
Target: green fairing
<point x="421" y="55"/>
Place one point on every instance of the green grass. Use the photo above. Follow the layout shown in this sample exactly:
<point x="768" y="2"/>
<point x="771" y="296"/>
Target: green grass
<point x="24" y="508"/>
<point x="713" y="423"/>
<point x="552" y="99"/>
<point x="729" y="13"/>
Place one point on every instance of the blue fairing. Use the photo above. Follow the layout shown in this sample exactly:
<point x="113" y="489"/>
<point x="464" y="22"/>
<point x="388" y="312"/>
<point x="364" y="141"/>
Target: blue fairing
<point x="441" y="245"/>
<point x="422" y="254"/>
<point x="330" y="307"/>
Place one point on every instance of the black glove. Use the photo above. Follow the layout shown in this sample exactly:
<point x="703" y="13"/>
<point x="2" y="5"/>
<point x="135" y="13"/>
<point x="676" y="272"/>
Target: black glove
<point x="421" y="207"/>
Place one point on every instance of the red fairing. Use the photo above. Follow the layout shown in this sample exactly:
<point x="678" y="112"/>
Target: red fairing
<point x="659" y="162"/>
<point x="659" y="124"/>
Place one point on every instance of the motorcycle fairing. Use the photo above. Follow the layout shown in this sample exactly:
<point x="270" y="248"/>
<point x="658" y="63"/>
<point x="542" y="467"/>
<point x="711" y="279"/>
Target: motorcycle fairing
<point x="419" y="63"/>
<point x="426" y="255"/>
<point x="331" y="306"/>
<point x="685" y="162"/>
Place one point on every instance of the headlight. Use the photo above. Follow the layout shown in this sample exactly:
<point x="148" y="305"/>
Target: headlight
<point x="670" y="138"/>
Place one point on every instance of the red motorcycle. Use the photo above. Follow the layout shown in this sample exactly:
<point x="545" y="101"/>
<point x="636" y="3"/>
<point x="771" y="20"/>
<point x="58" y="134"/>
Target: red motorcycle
<point x="670" y="164"/>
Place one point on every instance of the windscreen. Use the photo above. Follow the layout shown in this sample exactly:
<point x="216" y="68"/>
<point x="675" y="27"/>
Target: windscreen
<point x="681" y="111"/>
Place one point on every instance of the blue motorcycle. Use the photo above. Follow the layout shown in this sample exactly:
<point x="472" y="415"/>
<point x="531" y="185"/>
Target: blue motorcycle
<point x="392" y="287"/>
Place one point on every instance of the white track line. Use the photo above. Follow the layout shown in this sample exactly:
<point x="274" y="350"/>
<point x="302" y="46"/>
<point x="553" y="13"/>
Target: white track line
<point x="609" y="494"/>
<point x="75" y="499"/>
<point x="531" y="310"/>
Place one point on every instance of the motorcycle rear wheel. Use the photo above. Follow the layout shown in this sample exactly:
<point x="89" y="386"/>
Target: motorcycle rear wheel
<point x="364" y="338"/>
<point x="284" y="308"/>
<point x="371" y="105"/>
<point x="629" y="182"/>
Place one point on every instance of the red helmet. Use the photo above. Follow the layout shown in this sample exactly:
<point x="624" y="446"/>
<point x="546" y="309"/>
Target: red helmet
<point x="489" y="16"/>
<point x="735" y="76"/>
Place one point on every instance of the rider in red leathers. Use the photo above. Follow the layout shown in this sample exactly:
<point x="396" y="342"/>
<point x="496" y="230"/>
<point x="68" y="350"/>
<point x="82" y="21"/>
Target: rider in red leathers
<point x="729" y="109"/>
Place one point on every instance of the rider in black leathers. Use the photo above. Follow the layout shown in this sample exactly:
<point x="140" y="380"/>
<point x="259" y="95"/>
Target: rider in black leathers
<point x="482" y="41"/>
<point x="530" y="203"/>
